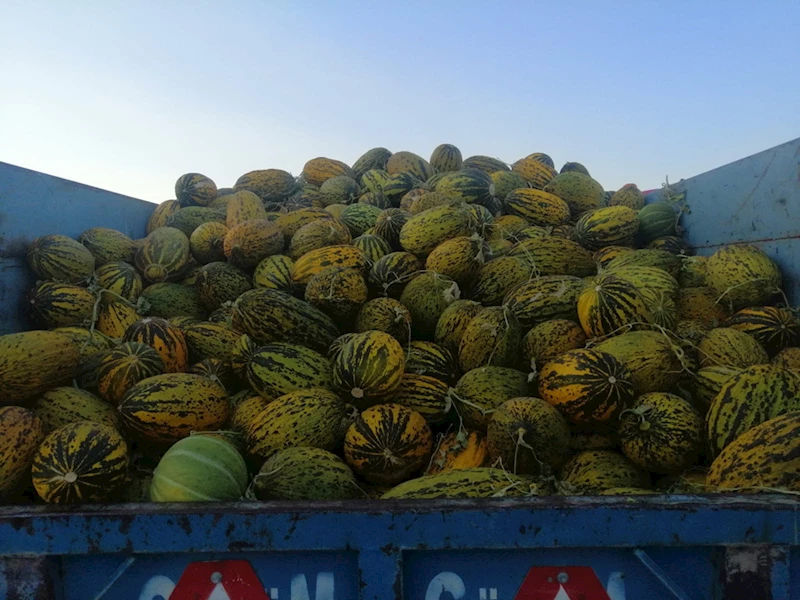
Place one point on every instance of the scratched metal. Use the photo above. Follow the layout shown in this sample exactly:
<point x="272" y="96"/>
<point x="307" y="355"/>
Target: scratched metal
<point x="34" y="204"/>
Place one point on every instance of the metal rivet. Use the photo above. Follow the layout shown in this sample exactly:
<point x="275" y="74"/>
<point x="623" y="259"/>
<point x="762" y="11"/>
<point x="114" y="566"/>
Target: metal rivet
<point x="216" y="577"/>
<point x="563" y="577"/>
<point x="549" y="580"/>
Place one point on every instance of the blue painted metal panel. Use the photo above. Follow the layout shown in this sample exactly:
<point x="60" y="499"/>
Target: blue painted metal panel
<point x="754" y="200"/>
<point x="34" y="204"/>
<point x="285" y="575"/>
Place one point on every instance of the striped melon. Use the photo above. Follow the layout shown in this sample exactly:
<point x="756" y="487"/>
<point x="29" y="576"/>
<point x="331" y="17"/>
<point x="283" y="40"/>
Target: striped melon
<point x="120" y="278"/>
<point x="774" y="328"/>
<point x="304" y="418"/>
<point x="389" y="275"/>
<point x="199" y="468"/>
<point x="672" y="244"/>
<point x="398" y="185"/>
<point x="470" y="185"/>
<point x="168" y="407"/>
<point x="388" y="443"/>
<point x="246" y="244"/>
<point x="693" y="271"/>
<point x="305" y="474"/>
<point x="628" y="195"/>
<point x="545" y="298"/>
<point x="369" y="368"/>
<point x="274" y="272"/>
<point x="744" y="275"/>
<point x="389" y="223"/>
<point x="107" y="245"/>
<point x="22" y="431"/>
<point x="453" y="322"/>
<point x="318" y="170"/>
<point x="555" y="256"/>
<point x="428" y="358"/>
<point x="55" y="304"/>
<point x="425" y="231"/>
<point x="426" y="297"/>
<point x="162" y="254"/>
<point x="528" y="436"/>
<point x="481" y="391"/>
<point x="661" y="433"/>
<point x="459" y="258"/>
<point x="788" y="358"/>
<point x="89" y="342"/>
<point x="728" y="347"/>
<point x="373" y="246"/>
<point x="651" y="357"/>
<point x="537" y="173"/>
<point x="647" y="258"/>
<point x="205" y="339"/>
<point x="487" y="164"/>
<point x="749" y="398"/>
<point x="115" y="315"/>
<point x="338" y="292"/>
<point x="604" y="256"/>
<point x="63" y="405"/>
<point x="497" y="278"/>
<point x="427" y="395"/>
<point x="537" y="207"/>
<point x="574" y="166"/>
<point x="706" y="384"/>
<point x="417" y="201"/>
<point x="161" y="213"/>
<point x="220" y="282"/>
<point x="766" y="458"/>
<point x="587" y="385"/>
<point x="80" y="462"/>
<point x="445" y="158"/>
<point x="579" y="191"/>
<point x="359" y="218"/>
<point x="656" y="220"/>
<point x="267" y="184"/>
<point x="243" y="206"/>
<point x="272" y="316"/>
<point x="277" y="369"/>
<point x="507" y="227"/>
<point x="323" y="258"/>
<point x="492" y="337"/>
<point x="241" y="353"/>
<point x="378" y="199"/>
<point x="459" y="450"/>
<point x="194" y="189"/>
<point x="387" y="315"/>
<point x="318" y="234"/>
<point x="609" y="305"/>
<point x="60" y="258"/>
<point x="291" y="223"/>
<point x="123" y="367"/>
<point x="217" y="370"/>
<point x="165" y="338"/>
<point x="408" y="162"/>
<point x="700" y="304"/>
<point x="650" y="279"/>
<point x="610" y="226"/>
<point x="594" y="471"/>
<point x="506" y="182"/>
<point x="549" y="340"/>
<point x="371" y="159"/>
<point x="167" y="300"/>
<point x="478" y="482"/>
<point x="187" y="220"/>
<point x="246" y="409"/>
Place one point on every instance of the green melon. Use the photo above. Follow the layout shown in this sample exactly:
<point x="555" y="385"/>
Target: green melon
<point x="199" y="468"/>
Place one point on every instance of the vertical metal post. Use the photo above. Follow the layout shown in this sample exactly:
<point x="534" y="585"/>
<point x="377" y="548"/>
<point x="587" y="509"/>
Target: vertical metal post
<point x="27" y="579"/>
<point x="381" y="573"/>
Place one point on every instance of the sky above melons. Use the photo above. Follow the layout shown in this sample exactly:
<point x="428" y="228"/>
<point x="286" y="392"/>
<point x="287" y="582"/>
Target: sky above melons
<point x="127" y="96"/>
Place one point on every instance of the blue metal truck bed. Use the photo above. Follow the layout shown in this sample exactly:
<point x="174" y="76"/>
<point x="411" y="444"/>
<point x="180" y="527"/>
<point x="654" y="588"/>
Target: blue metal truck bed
<point x="653" y="547"/>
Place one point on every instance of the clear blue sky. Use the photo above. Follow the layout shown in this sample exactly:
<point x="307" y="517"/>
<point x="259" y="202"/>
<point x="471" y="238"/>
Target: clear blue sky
<point x="130" y="95"/>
